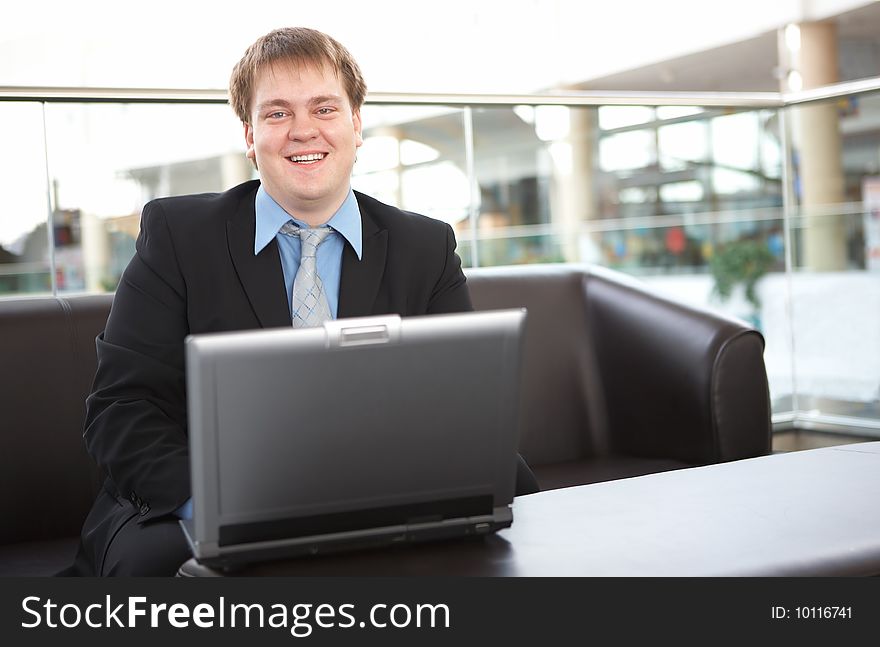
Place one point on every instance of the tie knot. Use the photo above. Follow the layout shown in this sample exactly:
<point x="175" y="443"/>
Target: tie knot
<point x="311" y="237"/>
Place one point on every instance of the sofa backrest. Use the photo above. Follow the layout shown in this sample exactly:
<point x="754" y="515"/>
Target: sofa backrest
<point x="47" y="480"/>
<point x="613" y="370"/>
<point x="562" y="409"/>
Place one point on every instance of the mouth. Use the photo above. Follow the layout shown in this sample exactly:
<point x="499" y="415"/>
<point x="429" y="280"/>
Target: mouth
<point x="307" y="159"/>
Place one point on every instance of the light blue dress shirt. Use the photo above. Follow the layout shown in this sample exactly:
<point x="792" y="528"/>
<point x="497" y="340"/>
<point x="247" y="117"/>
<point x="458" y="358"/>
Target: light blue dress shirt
<point x="346" y="225"/>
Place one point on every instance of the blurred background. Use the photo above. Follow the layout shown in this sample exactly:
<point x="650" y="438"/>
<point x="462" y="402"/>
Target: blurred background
<point x="727" y="153"/>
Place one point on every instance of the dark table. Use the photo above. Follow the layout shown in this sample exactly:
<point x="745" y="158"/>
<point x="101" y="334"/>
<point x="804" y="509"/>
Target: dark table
<point x="807" y="513"/>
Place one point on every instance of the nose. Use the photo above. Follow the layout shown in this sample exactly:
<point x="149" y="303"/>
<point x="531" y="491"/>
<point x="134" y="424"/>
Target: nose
<point x="302" y="128"/>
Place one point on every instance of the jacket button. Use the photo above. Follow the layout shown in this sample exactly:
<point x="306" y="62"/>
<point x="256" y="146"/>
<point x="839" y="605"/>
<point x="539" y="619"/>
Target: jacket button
<point x="145" y="508"/>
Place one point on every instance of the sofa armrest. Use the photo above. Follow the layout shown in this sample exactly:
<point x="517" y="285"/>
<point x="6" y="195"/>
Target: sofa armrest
<point x="678" y="382"/>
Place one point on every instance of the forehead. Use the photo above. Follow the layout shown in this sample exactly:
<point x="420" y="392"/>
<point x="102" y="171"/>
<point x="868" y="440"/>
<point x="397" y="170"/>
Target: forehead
<point x="297" y="80"/>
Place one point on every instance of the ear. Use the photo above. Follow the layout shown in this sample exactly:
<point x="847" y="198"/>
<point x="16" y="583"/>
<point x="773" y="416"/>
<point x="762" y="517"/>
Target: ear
<point x="249" y="140"/>
<point x="358" y="128"/>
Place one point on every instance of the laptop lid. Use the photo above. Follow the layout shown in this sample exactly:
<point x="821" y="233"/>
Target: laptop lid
<point x="365" y="430"/>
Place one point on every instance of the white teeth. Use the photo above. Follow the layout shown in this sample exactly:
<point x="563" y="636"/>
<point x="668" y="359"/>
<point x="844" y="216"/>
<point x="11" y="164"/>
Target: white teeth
<point x="312" y="157"/>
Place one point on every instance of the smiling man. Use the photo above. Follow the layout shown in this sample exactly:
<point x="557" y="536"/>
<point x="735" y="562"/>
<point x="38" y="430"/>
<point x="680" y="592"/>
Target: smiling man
<point x="240" y="260"/>
<point x="303" y="133"/>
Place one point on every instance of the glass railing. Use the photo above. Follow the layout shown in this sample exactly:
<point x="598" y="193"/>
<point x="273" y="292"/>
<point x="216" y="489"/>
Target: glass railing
<point x="762" y="206"/>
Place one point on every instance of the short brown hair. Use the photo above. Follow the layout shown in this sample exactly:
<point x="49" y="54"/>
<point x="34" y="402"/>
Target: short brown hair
<point x="301" y="46"/>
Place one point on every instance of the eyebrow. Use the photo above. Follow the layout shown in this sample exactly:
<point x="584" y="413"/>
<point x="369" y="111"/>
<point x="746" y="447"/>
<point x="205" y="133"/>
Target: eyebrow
<point x="321" y="99"/>
<point x="326" y="98"/>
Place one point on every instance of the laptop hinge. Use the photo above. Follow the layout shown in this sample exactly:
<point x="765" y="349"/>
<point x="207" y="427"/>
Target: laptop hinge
<point x="355" y="520"/>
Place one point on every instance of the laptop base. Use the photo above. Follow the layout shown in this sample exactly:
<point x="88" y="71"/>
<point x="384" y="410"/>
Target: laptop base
<point x="239" y="556"/>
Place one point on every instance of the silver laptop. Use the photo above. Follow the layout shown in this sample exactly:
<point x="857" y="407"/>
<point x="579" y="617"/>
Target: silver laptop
<point x="363" y="432"/>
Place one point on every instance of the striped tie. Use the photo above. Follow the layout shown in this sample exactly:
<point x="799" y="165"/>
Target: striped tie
<point x="309" y="305"/>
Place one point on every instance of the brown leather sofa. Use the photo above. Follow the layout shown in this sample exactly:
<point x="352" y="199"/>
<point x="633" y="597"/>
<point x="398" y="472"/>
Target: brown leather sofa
<point x="618" y="382"/>
<point x="47" y="480"/>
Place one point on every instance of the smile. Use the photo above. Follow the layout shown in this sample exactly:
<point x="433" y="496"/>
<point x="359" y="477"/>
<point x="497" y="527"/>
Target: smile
<point x="311" y="158"/>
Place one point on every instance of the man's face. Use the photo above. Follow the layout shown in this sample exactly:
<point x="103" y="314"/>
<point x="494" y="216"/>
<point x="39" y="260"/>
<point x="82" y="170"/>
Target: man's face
<point x="303" y="136"/>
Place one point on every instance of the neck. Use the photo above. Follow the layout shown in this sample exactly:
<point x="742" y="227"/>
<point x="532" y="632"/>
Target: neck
<point x="315" y="213"/>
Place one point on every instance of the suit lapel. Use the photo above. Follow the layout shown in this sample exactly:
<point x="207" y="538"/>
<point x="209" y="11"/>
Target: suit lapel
<point x="261" y="276"/>
<point x="360" y="279"/>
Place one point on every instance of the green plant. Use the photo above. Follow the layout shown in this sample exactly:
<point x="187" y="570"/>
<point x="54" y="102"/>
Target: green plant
<point x="741" y="262"/>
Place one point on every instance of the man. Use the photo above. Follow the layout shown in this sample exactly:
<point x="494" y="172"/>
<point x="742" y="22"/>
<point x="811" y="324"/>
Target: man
<point x="231" y="261"/>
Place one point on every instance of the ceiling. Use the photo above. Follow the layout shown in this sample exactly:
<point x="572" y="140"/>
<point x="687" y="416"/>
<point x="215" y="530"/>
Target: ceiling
<point x="751" y="65"/>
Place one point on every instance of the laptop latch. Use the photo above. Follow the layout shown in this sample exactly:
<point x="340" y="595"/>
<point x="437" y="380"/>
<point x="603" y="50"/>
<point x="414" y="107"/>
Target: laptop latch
<point x="362" y="331"/>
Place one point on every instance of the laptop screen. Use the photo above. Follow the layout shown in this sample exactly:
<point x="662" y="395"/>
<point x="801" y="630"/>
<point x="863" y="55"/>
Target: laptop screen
<point x="361" y="423"/>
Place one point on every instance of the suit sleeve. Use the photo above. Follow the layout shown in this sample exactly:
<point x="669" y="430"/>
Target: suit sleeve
<point x="450" y="293"/>
<point x="136" y="414"/>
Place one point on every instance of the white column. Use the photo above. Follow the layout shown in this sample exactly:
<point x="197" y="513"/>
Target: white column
<point x="573" y="199"/>
<point x="808" y="53"/>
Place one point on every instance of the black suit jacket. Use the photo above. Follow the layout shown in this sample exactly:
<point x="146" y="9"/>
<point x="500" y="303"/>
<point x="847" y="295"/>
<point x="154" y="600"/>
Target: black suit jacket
<point x="195" y="271"/>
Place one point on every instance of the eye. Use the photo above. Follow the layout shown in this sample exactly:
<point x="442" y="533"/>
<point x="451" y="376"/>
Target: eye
<point x="277" y="114"/>
<point x="325" y="111"/>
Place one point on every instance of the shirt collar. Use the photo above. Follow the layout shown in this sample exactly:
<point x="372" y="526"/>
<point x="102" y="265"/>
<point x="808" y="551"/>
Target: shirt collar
<point x="270" y="216"/>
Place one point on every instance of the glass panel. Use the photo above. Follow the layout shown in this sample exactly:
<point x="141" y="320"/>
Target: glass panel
<point x="24" y="206"/>
<point x="705" y="222"/>
<point x="689" y="181"/>
<point x="414" y="158"/>
<point x="24" y="242"/>
<point x="534" y="172"/>
<point x="107" y="161"/>
<point x="836" y="282"/>
<point x="688" y="199"/>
